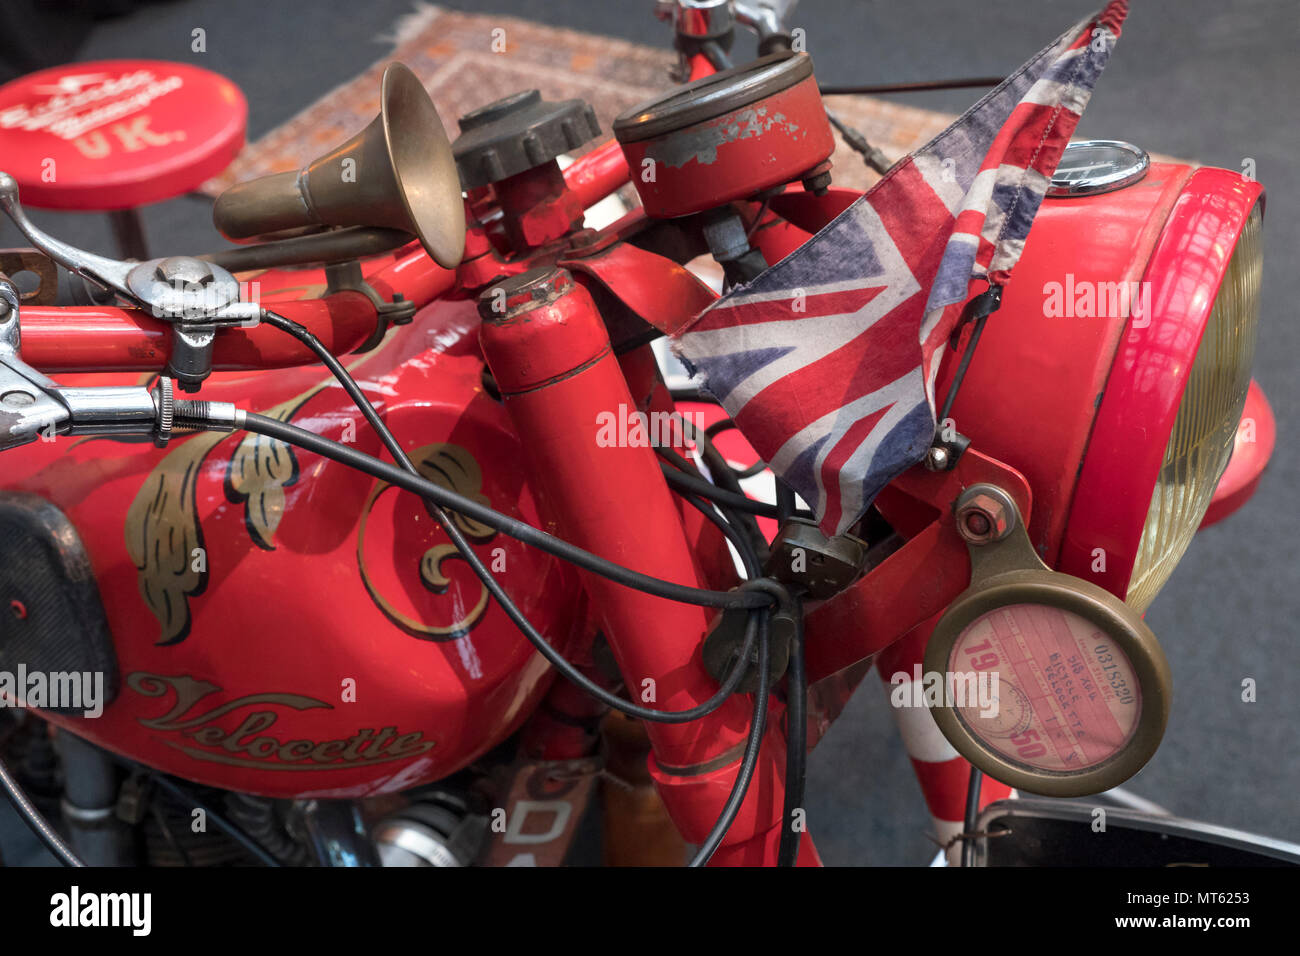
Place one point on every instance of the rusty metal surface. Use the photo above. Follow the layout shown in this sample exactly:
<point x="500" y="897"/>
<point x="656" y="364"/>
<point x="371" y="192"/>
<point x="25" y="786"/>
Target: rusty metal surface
<point x="14" y="262"/>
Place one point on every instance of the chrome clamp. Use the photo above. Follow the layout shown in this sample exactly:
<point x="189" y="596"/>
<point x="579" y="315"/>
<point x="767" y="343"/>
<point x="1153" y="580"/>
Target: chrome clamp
<point x="195" y="296"/>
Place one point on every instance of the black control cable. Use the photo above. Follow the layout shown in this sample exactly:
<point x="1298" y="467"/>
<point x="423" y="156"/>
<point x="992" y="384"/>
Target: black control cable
<point x="294" y="435"/>
<point x="702" y="487"/>
<point x="879" y="88"/>
<point x="745" y="524"/>
<point x="754" y="742"/>
<point x="520" y="530"/>
<point x="752" y="747"/>
<point x="971" y="819"/>
<point x="796" y="746"/>
<point x="727" y="424"/>
<point x="187" y="798"/>
<point x="729" y="686"/>
<point x="416" y="483"/>
<point x="720" y="519"/>
<point x="796" y="759"/>
<point x="327" y="448"/>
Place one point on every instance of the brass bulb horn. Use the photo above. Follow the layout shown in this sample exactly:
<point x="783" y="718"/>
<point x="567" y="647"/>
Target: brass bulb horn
<point x="397" y="173"/>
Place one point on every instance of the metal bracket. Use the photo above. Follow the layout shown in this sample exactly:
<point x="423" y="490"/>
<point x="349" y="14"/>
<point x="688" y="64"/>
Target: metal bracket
<point x="348" y="277"/>
<point x="990" y="523"/>
<point x="806" y="561"/>
<point x="944" y="453"/>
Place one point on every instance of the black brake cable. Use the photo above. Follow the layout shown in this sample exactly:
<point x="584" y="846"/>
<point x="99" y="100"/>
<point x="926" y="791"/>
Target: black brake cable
<point x="310" y="441"/>
<point x="743" y="547"/>
<point x="726" y="478"/>
<point x="513" y="527"/>
<point x="924" y="86"/>
<point x="714" y="513"/>
<point x="796" y="763"/>
<point x="289" y="432"/>
<point x="232" y="830"/>
<point x="726" y="424"/>
<point x="700" y="486"/>
<point x="796" y="745"/>
<point x="971" y="819"/>
<point x="719" y="518"/>
<point x="796" y="711"/>
<point x="692" y="483"/>
<point x="746" y="523"/>
<point x="753" y="745"/>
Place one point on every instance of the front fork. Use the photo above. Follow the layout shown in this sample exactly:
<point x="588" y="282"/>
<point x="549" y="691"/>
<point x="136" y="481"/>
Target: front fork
<point x="943" y="774"/>
<point x="569" y="401"/>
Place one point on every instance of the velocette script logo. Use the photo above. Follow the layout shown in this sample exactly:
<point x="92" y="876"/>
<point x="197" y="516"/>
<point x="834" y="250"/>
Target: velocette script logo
<point x="236" y="732"/>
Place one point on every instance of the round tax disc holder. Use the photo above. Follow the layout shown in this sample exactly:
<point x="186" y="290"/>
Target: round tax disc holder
<point x="1050" y="684"/>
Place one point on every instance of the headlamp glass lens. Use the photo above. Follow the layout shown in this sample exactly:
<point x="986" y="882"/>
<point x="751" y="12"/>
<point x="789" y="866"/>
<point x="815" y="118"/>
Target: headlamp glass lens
<point x="1202" y="437"/>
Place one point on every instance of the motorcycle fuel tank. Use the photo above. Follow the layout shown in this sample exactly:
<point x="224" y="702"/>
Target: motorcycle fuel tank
<point x="286" y="626"/>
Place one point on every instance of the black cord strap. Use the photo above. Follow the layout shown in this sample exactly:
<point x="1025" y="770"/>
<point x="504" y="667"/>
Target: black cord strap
<point x="978" y="310"/>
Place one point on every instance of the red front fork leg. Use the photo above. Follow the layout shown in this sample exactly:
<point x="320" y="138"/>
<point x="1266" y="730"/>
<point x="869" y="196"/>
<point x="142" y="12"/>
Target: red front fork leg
<point x="600" y="485"/>
<point x="943" y="774"/>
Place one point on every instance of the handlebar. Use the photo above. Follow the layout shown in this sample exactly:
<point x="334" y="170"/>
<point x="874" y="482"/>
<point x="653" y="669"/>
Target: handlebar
<point x="107" y="339"/>
<point x="114" y="339"/>
<point x="72" y="339"/>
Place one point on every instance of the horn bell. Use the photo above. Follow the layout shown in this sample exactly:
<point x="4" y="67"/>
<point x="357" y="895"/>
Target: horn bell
<point x="397" y="173"/>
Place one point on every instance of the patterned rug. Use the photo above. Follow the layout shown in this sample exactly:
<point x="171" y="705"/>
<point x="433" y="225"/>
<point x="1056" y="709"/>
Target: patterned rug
<point x="455" y="55"/>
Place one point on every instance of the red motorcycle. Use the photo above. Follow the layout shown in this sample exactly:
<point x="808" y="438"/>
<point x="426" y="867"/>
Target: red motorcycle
<point x="560" y="580"/>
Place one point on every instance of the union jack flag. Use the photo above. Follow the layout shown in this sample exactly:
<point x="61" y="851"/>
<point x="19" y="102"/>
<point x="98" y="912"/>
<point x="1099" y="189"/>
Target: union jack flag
<point x="827" y="360"/>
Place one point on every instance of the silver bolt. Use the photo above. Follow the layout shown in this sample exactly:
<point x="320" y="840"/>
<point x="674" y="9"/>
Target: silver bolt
<point x="183" y="270"/>
<point x="936" y="458"/>
<point x="17" y="399"/>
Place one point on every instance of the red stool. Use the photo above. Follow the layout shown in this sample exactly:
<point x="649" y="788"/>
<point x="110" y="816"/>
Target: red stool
<point x="114" y="135"/>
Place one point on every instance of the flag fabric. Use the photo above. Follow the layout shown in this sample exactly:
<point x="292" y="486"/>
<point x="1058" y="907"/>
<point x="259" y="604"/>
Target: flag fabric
<point x="827" y="360"/>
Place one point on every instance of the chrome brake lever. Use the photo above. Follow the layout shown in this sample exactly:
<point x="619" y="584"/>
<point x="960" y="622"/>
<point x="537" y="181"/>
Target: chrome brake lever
<point x="33" y="406"/>
<point x="27" y="407"/>
<point x="195" y="296"/>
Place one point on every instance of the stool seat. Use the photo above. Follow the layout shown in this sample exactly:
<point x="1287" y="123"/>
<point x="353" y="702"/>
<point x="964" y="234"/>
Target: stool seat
<point x="115" y="134"/>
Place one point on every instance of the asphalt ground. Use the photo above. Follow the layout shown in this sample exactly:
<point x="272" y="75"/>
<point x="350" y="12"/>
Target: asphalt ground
<point x="1211" y="80"/>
